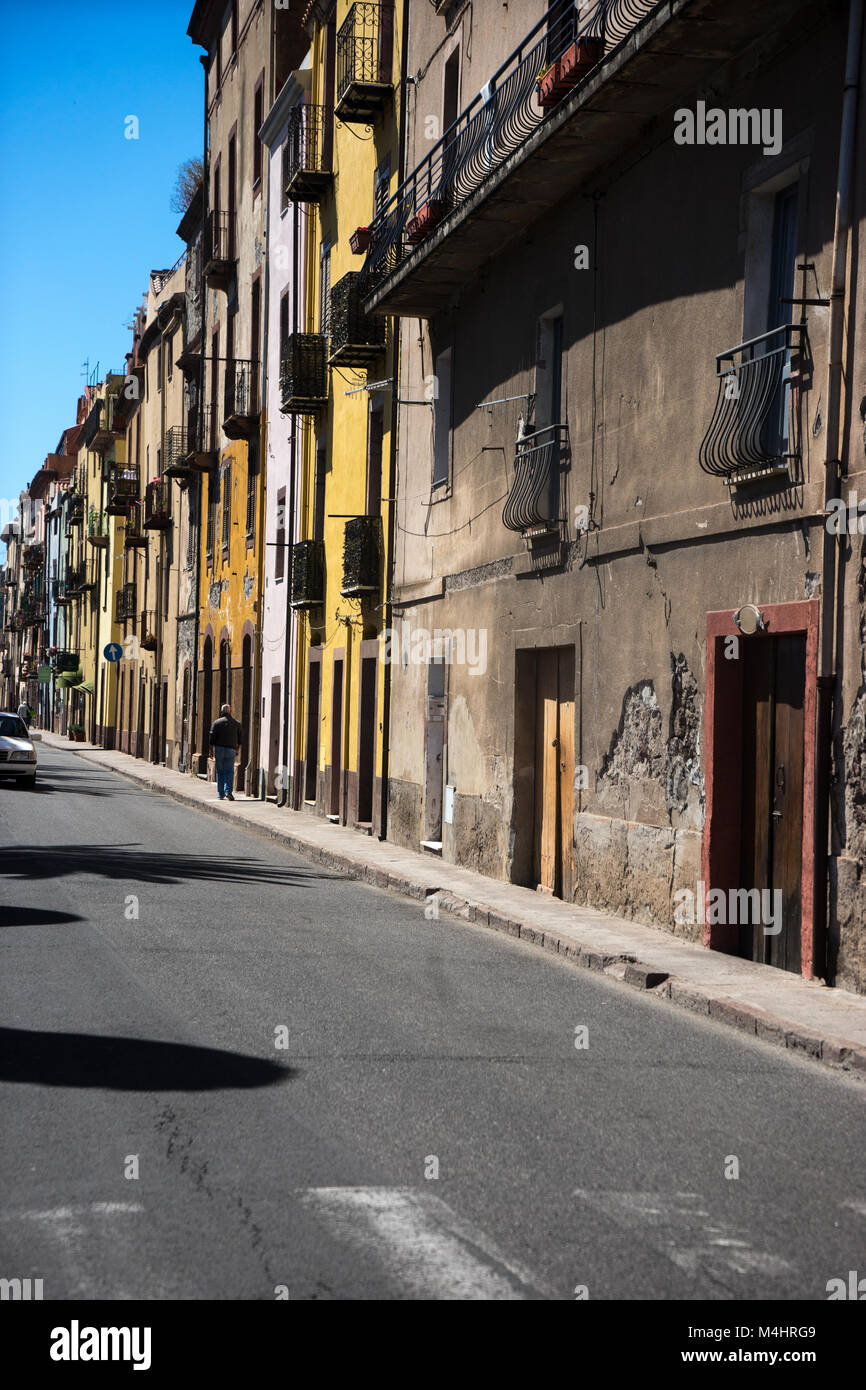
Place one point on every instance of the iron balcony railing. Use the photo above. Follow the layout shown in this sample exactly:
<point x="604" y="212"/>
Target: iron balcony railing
<point x="124" y="603"/>
<point x="147" y="629"/>
<point x="241" y="398"/>
<point x="78" y="580"/>
<point x="65" y="660"/>
<point x="202" y="436"/>
<point x="304" y="374"/>
<point x="361" y="546"/>
<point x="533" y="499"/>
<point x="363" y="62"/>
<point x="122" y="489"/>
<point x="308" y="574"/>
<point x="497" y="122"/>
<point x="357" y="338"/>
<point x="75" y="511"/>
<point x="751" y="432"/>
<point x="308" y="153"/>
<point x="219" y="248"/>
<point x="134" y="534"/>
<point x="33" y="557"/>
<point x="157" y="505"/>
<point x="176" y="449"/>
<point x="97" y="528"/>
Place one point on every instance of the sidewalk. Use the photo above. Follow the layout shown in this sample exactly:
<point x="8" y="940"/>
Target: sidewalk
<point x="826" y="1025"/>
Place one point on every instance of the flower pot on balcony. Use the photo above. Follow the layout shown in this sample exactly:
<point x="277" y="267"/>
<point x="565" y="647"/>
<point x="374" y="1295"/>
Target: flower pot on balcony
<point x="550" y="91"/>
<point x="577" y="60"/>
<point x="360" y="240"/>
<point x="428" y="216"/>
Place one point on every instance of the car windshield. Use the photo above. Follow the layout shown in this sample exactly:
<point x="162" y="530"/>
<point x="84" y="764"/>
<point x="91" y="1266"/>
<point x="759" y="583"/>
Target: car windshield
<point x="12" y="727"/>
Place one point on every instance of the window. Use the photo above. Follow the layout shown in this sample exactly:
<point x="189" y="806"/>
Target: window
<point x="284" y="174"/>
<point x="251" y="501"/>
<point x="451" y="91"/>
<point x="375" y="430"/>
<point x="325" y="288"/>
<point x="280" y="565"/>
<point x="319" y="501"/>
<point x="442" y="419"/>
<point x="284" y="323"/>
<point x="169" y="353"/>
<point x="227" y="505"/>
<point x="548" y="371"/>
<point x="381" y="186"/>
<point x="257" y="125"/>
<point x="234" y="26"/>
<point x="212" y="493"/>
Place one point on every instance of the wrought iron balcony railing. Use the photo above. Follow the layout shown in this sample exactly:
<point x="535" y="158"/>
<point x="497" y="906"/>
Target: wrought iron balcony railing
<point x="157" y="505"/>
<point x="124" y="603"/>
<point x="364" y="47"/>
<point x="751" y="433"/>
<point x="308" y="154"/>
<point x="33" y="557"/>
<point x="357" y="338"/>
<point x="75" y="509"/>
<point x="65" y="660"/>
<point x="304" y="374"/>
<point x="497" y="122"/>
<point x="134" y="534"/>
<point x="176" y="450"/>
<point x="308" y="574"/>
<point x="241" y="407"/>
<point x="79" y="580"/>
<point x="202" y="436"/>
<point x="97" y="529"/>
<point x="219" y="249"/>
<point x="532" y="505"/>
<point x="148" y="638"/>
<point x="361" y="547"/>
<point x="122" y="489"/>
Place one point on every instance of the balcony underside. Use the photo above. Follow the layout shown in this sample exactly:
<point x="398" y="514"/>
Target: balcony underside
<point x="362" y="101"/>
<point x="308" y="186"/>
<point x="356" y="354"/>
<point x="218" y="273"/>
<point x="240" y="426"/>
<point x="668" y="61"/>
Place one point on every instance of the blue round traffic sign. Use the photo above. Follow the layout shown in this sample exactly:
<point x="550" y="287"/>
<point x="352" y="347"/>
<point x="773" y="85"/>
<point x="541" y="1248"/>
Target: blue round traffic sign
<point x="113" y="652"/>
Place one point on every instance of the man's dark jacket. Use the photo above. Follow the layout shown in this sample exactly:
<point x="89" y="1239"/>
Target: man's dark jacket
<point x="226" y="732"/>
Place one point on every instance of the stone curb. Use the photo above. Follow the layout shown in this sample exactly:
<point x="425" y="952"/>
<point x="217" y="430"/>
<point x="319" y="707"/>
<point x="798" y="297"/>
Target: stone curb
<point x="839" y="1054"/>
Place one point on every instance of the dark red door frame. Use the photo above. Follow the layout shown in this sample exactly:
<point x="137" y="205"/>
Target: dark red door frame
<point x="723" y="740"/>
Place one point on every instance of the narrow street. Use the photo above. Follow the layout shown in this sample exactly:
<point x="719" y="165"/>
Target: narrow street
<point x="151" y="957"/>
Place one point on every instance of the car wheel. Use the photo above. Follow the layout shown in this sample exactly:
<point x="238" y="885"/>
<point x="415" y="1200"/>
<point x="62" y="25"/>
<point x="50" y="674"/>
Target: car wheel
<point x="29" y="782"/>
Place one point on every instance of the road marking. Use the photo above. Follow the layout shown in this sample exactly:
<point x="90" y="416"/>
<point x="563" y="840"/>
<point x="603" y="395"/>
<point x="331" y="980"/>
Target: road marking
<point x="859" y="1208"/>
<point x="679" y="1225"/>
<point x="69" y="1213"/>
<point x="431" y="1251"/>
<point x="66" y="1228"/>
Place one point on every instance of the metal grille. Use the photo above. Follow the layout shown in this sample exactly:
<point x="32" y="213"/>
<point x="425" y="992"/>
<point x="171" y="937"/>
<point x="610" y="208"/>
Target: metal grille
<point x="534" y="495"/>
<point x="308" y="154"/>
<point x="361" y="555"/>
<point x="356" y="338"/>
<point x="304" y="374"/>
<point x="748" y="433"/>
<point x="308" y="574"/>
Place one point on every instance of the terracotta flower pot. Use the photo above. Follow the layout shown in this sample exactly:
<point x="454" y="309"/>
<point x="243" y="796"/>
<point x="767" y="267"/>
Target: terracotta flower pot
<point x="427" y="217"/>
<point x="577" y="60"/>
<point x="360" y="240"/>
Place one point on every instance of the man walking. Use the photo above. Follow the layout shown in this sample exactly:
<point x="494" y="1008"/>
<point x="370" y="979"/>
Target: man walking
<point x="24" y="713"/>
<point x="226" y="736"/>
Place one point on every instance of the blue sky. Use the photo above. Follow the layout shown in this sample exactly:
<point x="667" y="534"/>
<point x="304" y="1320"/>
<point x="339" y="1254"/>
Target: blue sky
<point x="87" y="212"/>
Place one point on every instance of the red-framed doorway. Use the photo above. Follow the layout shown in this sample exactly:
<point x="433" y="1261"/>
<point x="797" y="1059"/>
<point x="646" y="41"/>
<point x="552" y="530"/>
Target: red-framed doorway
<point x="724" y="746"/>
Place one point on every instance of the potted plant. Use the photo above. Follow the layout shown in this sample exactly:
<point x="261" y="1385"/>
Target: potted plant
<point x="360" y="240"/>
<point x="76" y="733"/>
<point x="549" y="89"/>
<point x="577" y="60"/>
<point x="428" y="216"/>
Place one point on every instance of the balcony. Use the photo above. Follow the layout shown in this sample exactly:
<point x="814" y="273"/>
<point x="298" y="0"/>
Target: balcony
<point x="97" y="529"/>
<point x="110" y="422"/>
<point x="241" y="407"/>
<point x="75" y="511"/>
<point x="176" y="451"/>
<point x="124" y="603"/>
<point x="532" y="506"/>
<point x="65" y="660"/>
<point x="308" y="155"/>
<point x="519" y="148"/>
<point x="751" y="433"/>
<point x="363" y="63"/>
<point x="304" y="374"/>
<point x="147" y="629"/>
<point x="219" y="249"/>
<point x="78" y="580"/>
<point x="122" y="489"/>
<point x="134" y="534"/>
<point x="361" y="545"/>
<point x="30" y="614"/>
<point x="32" y="557"/>
<point x="357" y="338"/>
<point x="308" y="574"/>
<point x="201" y="437"/>
<point x="157" y="505"/>
<point x="6" y="667"/>
<point x="59" y="592"/>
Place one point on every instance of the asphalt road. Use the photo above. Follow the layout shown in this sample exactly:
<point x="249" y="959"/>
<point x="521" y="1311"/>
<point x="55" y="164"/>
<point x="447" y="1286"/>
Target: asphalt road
<point x="158" y="1142"/>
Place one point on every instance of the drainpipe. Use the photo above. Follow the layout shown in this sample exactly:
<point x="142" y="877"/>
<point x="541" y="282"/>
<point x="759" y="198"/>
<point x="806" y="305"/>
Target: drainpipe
<point x="199" y="484"/>
<point x="827" y="671"/>
<point x="291" y="615"/>
<point x="387" y="615"/>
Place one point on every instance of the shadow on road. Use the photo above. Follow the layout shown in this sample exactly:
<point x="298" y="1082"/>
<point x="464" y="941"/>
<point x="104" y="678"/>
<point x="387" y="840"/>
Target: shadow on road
<point x="131" y="863"/>
<point x="35" y="917"/>
<point x="128" y="1064"/>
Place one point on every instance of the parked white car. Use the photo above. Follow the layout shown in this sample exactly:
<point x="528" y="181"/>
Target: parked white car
<point x="17" y="750"/>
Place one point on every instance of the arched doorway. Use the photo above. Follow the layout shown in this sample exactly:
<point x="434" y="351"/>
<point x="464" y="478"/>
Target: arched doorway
<point x="246" y="702"/>
<point x="206" y="698"/>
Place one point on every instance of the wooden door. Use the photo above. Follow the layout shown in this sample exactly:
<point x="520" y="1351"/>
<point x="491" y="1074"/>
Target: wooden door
<point x="774" y="683"/>
<point x="336" y="741"/>
<point x="366" y="739"/>
<point x="554" y="771"/>
<point x="274" y="739"/>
